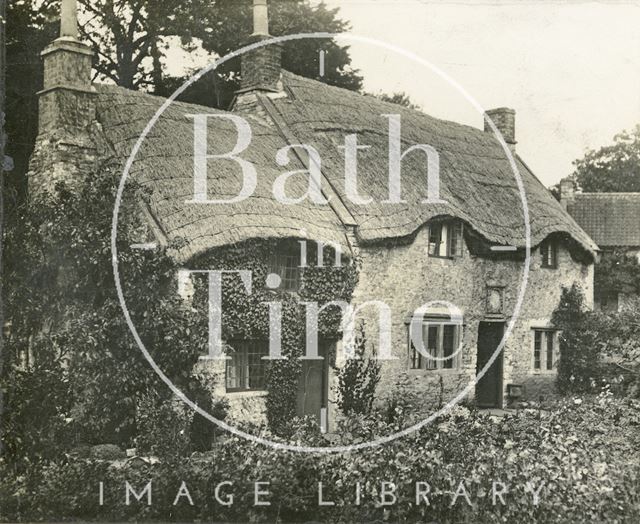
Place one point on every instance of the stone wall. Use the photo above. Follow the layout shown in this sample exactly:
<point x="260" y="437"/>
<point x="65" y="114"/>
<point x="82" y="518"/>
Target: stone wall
<point x="244" y="406"/>
<point x="404" y="277"/>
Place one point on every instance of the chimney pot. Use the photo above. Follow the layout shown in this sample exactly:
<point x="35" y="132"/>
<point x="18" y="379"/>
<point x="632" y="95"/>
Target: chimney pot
<point x="69" y="19"/>
<point x="261" y="67"/>
<point x="504" y="119"/>
<point x="260" y="18"/>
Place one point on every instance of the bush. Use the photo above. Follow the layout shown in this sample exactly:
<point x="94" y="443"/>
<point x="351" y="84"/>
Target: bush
<point x="596" y="348"/>
<point x="358" y="379"/>
<point x="586" y="451"/>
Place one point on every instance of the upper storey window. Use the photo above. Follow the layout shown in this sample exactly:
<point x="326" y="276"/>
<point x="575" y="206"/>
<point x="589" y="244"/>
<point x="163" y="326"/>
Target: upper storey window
<point x="549" y="254"/>
<point x="286" y="264"/>
<point x="445" y="239"/>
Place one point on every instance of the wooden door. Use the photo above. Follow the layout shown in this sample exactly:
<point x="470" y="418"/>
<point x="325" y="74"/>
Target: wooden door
<point x="313" y="385"/>
<point x="489" y="387"/>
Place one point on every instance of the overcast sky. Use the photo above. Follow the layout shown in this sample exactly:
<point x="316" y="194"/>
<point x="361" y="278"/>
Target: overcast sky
<point x="571" y="70"/>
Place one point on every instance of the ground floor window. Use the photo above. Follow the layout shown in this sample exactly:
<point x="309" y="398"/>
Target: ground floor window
<point x="246" y="368"/>
<point x="440" y="340"/>
<point x="545" y="342"/>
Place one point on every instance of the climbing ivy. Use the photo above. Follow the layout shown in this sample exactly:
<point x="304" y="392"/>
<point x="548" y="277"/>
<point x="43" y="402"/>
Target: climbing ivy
<point x="246" y="315"/>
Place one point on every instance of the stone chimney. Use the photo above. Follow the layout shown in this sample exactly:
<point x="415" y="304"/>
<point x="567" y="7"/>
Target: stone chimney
<point x="64" y="150"/>
<point x="505" y="120"/>
<point x="66" y="101"/>
<point x="261" y="68"/>
<point x="567" y="192"/>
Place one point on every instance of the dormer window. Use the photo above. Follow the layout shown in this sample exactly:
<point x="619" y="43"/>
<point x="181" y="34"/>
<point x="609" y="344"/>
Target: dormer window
<point x="445" y="239"/>
<point x="549" y="254"/>
<point x="286" y="264"/>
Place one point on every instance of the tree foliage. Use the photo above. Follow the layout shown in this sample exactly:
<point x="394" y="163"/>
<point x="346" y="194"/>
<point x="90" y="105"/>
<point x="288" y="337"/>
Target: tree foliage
<point x="399" y="98"/>
<point x="30" y="27"/>
<point x="131" y="39"/>
<point x="617" y="272"/>
<point x="67" y="325"/>
<point x="612" y="168"/>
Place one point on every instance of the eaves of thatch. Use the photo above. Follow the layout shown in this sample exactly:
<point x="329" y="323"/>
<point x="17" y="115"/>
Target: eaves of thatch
<point x="476" y="178"/>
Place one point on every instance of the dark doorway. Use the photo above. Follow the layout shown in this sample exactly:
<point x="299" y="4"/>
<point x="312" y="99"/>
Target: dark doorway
<point x="313" y="385"/>
<point x="489" y="387"/>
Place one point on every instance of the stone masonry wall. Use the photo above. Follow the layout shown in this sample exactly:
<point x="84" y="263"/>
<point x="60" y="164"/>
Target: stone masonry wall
<point x="405" y="278"/>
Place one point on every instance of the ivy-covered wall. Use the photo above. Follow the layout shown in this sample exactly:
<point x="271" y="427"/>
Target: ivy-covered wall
<point x="245" y="316"/>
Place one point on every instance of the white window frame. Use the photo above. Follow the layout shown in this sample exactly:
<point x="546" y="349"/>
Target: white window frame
<point x="436" y="365"/>
<point x="550" y="261"/>
<point x="545" y="332"/>
<point x="447" y="227"/>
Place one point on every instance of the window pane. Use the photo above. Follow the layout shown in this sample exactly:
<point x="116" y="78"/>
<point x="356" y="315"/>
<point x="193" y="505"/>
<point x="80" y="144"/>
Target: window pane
<point x="444" y="240"/>
<point x="245" y="370"/>
<point x="432" y="347"/>
<point x="286" y="265"/>
<point x="455" y="239"/>
<point x="550" y="337"/>
<point x="416" y="358"/>
<point x="435" y="237"/>
<point x="537" y="345"/>
<point x="448" y="342"/>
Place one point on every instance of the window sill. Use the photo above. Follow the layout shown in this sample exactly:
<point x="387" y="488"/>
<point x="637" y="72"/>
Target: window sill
<point x="246" y="394"/>
<point x="544" y="372"/>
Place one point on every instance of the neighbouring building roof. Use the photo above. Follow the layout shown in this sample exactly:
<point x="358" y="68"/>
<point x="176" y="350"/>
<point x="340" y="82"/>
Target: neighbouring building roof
<point x="610" y="219"/>
<point x="476" y="179"/>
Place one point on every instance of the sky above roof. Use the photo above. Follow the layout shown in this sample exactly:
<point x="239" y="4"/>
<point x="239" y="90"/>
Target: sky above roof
<point x="571" y="70"/>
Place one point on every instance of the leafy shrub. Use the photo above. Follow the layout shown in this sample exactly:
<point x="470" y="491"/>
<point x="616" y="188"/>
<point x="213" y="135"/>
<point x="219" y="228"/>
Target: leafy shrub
<point x="597" y="348"/>
<point x="578" y="368"/>
<point x="358" y="379"/>
<point x="586" y="451"/>
<point x="163" y="426"/>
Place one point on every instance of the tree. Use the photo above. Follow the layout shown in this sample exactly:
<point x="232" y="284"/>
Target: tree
<point x="129" y="36"/>
<point x="228" y="29"/>
<point x="68" y="333"/>
<point x="30" y="27"/>
<point x="612" y="168"/>
<point x="400" y="98"/>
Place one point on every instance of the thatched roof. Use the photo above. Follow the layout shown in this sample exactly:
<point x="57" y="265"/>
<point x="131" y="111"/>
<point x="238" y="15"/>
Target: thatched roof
<point x="611" y="219"/>
<point x="475" y="176"/>
<point x="164" y="164"/>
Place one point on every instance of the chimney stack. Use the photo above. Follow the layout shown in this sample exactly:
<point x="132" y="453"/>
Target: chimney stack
<point x="66" y="101"/>
<point x="261" y="67"/>
<point x="567" y="192"/>
<point x="504" y="119"/>
<point x="64" y="147"/>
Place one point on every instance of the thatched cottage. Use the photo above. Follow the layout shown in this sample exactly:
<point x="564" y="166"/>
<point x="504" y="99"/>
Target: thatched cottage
<point x="468" y="250"/>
